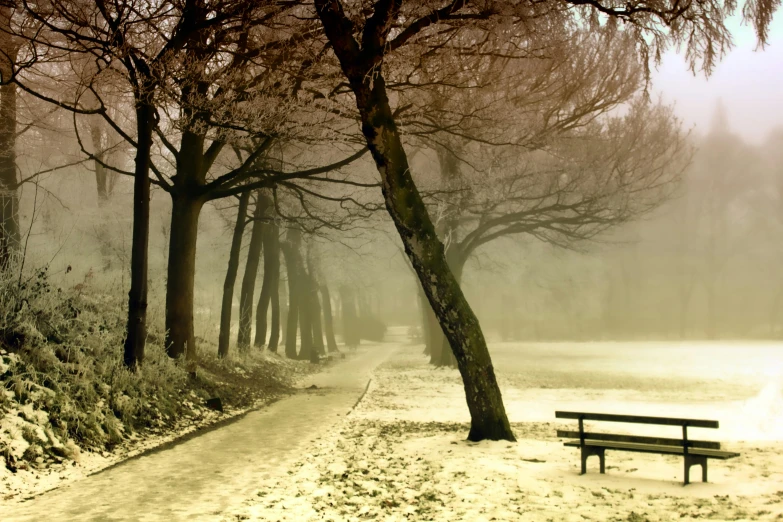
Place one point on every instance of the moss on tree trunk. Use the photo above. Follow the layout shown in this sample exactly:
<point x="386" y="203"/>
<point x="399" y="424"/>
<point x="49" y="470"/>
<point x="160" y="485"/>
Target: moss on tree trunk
<point x="361" y="66"/>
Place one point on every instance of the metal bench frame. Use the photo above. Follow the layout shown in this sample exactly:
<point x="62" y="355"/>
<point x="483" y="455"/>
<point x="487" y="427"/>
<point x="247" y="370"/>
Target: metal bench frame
<point x="694" y="452"/>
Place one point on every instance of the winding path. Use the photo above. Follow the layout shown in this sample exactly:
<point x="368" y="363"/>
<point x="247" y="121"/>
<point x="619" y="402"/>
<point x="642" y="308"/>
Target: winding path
<point x="202" y="477"/>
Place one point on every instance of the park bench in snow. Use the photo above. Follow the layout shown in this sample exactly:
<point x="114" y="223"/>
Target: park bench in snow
<point x="694" y="452"/>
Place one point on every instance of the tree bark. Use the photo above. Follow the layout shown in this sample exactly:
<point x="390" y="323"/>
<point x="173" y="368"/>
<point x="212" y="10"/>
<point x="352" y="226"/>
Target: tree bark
<point x="306" y="348"/>
<point x="331" y="342"/>
<point x="101" y="180"/>
<point x="269" y="286"/>
<point x="456" y="261"/>
<point x="315" y="304"/>
<point x="426" y="310"/>
<point x="246" y="296"/>
<point x="315" y="312"/>
<point x="292" y="319"/>
<point x="231" y="276"/>
<point x="137" y="297"/>
<point x="274" y="333"/>
<point x="361" y="66"/>
<point x="10" y="235"/>
<point x="181" y="275"/>
<point x="350" y="320"/>
<point x="436" y="336"/>
<point x="283" y="310"/>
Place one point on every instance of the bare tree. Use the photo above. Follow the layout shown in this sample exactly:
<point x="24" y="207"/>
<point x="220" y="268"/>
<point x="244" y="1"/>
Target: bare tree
<point x="362" y="39"/>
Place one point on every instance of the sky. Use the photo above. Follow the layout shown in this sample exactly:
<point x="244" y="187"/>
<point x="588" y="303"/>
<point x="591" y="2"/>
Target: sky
<point x="749" y="82"/>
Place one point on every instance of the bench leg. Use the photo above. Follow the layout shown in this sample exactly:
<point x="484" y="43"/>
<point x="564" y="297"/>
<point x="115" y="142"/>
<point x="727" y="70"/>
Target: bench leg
<point x="585" y="454"/>
<point x="695" y="460"/>
<point x="602" y="459"/>
<point x="588" y="451"/>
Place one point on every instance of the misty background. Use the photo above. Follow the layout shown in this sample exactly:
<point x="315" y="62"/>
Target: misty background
<point x="704" y="265"/>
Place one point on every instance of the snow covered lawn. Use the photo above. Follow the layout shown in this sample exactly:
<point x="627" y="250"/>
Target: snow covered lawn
<point x="401" y="454"/>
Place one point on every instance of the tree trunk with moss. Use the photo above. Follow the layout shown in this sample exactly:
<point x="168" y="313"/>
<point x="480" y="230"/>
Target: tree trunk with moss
<point x="361" y="66"/>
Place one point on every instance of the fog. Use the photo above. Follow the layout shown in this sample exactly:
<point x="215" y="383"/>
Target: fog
<point x="350" y="260"/>
<point x="701" y="266"/>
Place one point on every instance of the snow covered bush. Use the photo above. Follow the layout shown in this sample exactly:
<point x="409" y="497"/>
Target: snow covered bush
<point x="64" y="386"/>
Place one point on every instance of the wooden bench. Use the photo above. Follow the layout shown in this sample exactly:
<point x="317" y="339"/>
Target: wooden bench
<point x="695" y="452"/>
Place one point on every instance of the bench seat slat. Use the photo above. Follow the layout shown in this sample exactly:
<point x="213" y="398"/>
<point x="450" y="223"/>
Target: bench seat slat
<point x="661" y="441"/>
<point x="653" y="448"/>
<point x="638" y="419"/>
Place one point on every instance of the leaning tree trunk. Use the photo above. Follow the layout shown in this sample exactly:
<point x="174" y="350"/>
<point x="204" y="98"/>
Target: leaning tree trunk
<point x="137" y="297"/>
<point x="331" y="342"/>
<point x="181" y="275"/>
<point x="270" y="283"/>
<point x="426" y="310"/>
<point x="361" y="65"/>
<point x="436" y="338"/>
<point x="246" y="296"/>
<point x="231" y="276"/>
<point x="456" y="261"/>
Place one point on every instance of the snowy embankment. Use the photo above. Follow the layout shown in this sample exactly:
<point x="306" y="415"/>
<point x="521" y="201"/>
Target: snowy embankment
<point x="38" y="451"/>
<point x="402" y="455"/>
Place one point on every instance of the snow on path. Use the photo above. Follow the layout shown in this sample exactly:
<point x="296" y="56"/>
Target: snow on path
<point x="204" y="476"/>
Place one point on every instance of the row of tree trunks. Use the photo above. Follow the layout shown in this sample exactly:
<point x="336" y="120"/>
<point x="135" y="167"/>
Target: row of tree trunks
<point x="227" y="304"/>
<point x="270" y="293"/>
<point x="304" y="300"/>
<point x="309" y="317"/>
<point x="307" y="313"/>
<point x="247" y="293"/>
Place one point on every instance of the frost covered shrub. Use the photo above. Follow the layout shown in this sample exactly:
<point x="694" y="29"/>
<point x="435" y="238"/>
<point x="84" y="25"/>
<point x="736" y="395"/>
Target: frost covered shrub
<point x="62" y="376"/>
<point x="64" y="386"/>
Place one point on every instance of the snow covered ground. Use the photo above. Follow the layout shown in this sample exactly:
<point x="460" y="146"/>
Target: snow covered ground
<point x="202" y="477"/>
<point x="401" y="454"/>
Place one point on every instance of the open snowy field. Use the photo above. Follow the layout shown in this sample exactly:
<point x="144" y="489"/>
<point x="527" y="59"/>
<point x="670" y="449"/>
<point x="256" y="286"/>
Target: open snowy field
<point x="402" y="455"/>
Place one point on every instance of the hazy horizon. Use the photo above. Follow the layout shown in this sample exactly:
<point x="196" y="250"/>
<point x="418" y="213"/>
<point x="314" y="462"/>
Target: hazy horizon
<point x="753" y="106"/>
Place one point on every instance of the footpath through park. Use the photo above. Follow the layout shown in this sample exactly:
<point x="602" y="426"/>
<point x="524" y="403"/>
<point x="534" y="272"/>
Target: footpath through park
<point x="204" y="476"/>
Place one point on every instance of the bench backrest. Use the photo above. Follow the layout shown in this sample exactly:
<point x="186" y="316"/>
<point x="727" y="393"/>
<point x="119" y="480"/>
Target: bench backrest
<point x="638" y="419"/>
